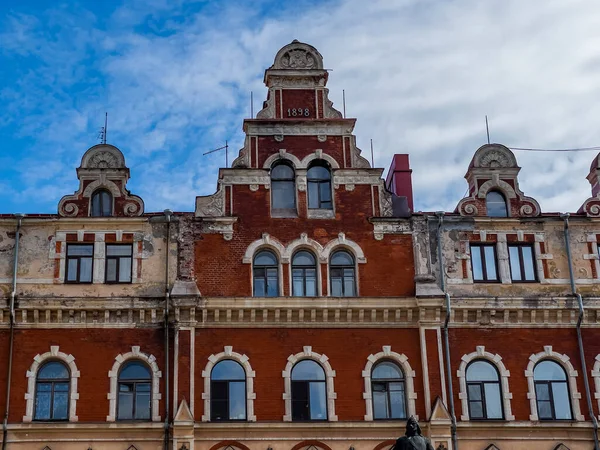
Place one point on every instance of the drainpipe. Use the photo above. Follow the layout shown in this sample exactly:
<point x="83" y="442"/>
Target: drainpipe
<point x="586" y="382"/>
<point x="440" y="217"/>
<point x="168" y="214"/>
<point x="11" y="341"/>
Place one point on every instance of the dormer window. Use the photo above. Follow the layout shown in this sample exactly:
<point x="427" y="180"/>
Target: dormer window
<point x="319" y="187"/>
<point x="101" y="204"/>
<point x="283" y="189"/>
<point x="496" y="204"/>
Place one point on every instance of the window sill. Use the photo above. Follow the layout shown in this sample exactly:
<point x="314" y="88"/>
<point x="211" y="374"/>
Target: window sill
<point x="284" y="213"/>
<point x="321" y="214"/>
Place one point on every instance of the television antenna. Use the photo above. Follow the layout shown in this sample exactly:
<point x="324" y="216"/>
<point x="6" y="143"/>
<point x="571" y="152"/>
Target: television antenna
<point x="226" y="148"/>
<point x="102" y="133"/>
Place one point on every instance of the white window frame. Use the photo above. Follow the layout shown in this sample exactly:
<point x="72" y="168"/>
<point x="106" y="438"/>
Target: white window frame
<point x="244" y="361"/>
<point x="596" y="375"/>
<point x="113" y="378"/>
<point x="496" y="361"/>
<point x="39" y="360"/>
<point x="409" y="374"/>
<point x="323" y="361"/>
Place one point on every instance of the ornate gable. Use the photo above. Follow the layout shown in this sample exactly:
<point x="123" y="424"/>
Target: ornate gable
<point x="494" y="168"/>
<point x="591" y="207"/>
<point x="102" y="168"/>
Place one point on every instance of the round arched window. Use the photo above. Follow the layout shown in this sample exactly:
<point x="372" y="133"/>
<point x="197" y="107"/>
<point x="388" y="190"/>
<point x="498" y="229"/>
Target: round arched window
<point x="496" y="204"/>
<point x="342" y="274"/>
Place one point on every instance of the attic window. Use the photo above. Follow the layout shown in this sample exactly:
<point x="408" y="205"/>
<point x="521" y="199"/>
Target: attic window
<point x="101" y="204"/>
<point x="496" y="204"/>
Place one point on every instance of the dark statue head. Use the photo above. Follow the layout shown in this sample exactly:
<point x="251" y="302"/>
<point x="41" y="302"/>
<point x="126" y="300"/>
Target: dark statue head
<point x="412" y="427"/>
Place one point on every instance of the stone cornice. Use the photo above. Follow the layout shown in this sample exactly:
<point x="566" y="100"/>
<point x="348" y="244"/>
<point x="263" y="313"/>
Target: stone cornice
<point x="291" y="127"/>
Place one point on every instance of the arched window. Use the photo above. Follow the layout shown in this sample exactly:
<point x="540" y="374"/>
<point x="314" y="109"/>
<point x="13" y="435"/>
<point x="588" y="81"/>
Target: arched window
<point x="52" y="392"/>
<point x="266" y="274"/>
<point x="342" y="274"/>
<point x="552" y="391"/>
<point x="101" y="204"/>
<point x="309" y="393"/>
<point x="496" y="204"/>
<point x="135" y="392"/>
<point x="483" y="390"/>
<point x="388" y="390"/>
<point x="318" y="178"/>
<point x="304" y="274"/>
<point x="228" y="391"/>
<point x="283" y="188"/>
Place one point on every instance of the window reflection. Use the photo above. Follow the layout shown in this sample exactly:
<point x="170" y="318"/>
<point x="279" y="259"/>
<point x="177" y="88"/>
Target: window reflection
<point x="304" y="274"/>
<point x="552" y="391"/>
<point x="52" y="392"/>
<point x="309" y="395"/>
<point x="388" y="391"/>
<point x="483" y="391"/>
<point x="101" y="204"/>
<point x="342" y="275"/>
<point x="496" y="204"/>
<point x="134" y="396"/>
<point x="283" y="188"/>
<point x="227" y="391"/>
<point x="266" y="274"/>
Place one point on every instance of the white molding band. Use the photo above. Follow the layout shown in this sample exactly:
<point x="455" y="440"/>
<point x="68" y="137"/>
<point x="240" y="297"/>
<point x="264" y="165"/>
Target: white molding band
<point x="284" y="155"/>
<point x="323" y="361"/>
<point x="496" y="360"/>
<point x="113" y="377"/>
<point x="565" y="363"/>
<point x="265" y="243"/>
<point x="596" y="375"/>
<point x="409" y="374"/>
<point x="342" y="242"/>
<point x="303" y="241"/>
<point x="243" y="360"/>
<point x="53" y="355"/>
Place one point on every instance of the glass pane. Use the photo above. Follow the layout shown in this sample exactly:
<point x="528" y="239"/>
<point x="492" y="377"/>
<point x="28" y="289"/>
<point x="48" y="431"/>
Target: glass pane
<point x="85" y="270"/>
<point x="307" y="369"/>
<point x="544" y="410"/>
<point x="106" y="203"/>
<point x="42" y="403"/>
<point x="515" y="264"/>
<point x="52" y="371"/>
<point x="342" y="258"/>
<point x="72" y="270"/>
<point x="493" y="401"/>
<point x="272" y="283"/>
<point x="60" y="406"/>
<point x="119" y="250"/>
<point x="397" y="406"/>
<point x="282" y="172"/>
<point x="476" y="263"/>
<point x="260" y="286"/>
<point x="318" y="173"/>
<point x="528" y="263"/>
<point x="562" y="405"/>
<point x="496" y="204"/>
<point x="218" y="410"/>
<point x="490" y="263"/>
<point x="380" y="410"/>
<point x="318" y="401"/>
<point x="542" y="391"/>
<point x="134" y="370"/>
<point x="300" y="394"/>
<point x="476" y="409"/>
<point x="125" y="270"/>
<point x="481" y="371"/>
<point x="336" y="286"/>
<point x="298" y="282"/>
<point x="265" y="259"/>
<point x="111" y="270"/>
<point x="80" y="250"/>
<point x="386" y="371"/>
<point x="303" y="258"/>
<point x="237" y="400"/>
<point x="228" y="370"/>
<point x="349" y="285"/>
<point x="219" y="390"/>
<point x="325" y="191"/>
<point x="284" y="194"/>
<point x="142" y="405"/>
<point x="549" y="371"/>
<point x="125" y="406"/>
<point x="474" y="392"/>
<point x="313" y="195"/>
<point x="311" y="282"/>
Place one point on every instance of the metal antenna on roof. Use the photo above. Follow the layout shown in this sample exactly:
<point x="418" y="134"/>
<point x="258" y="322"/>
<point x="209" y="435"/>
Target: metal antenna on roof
<point x="226" y="148"/>
<point x="251" y="105"/>
<point x="102" y="133"/>
<point x="487" y="128"/>
<point x="344" y="101"/>
<point x="372" y="160"/>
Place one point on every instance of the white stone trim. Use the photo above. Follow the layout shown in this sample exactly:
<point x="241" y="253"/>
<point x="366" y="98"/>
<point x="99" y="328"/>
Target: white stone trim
<point x="53" y="355"/>
<point x="113" y="378"/>
<point x="347" y="244"/>
<point x="243" y="360"/>
<point x="409" y="374"/>
<point x="282" y="155"/>
<point x="496" y="360"/>
<point x="323" y="361"/>
<point x="303" y="241"/>
<point x="596" y="375"/>
<point x="565" y="362"/>
<point x="267" y="242"/>
<point x="318" y="154"/>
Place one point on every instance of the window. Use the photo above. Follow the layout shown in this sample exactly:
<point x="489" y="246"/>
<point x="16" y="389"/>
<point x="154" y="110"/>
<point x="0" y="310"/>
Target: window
<point x="483" y="390"/>
<point x="283" y="188"/>
<point x="101" y="204"/>
<point x="135" y="389"/>
<point x="551" y="391"/>
<point x="496" y="204"/>
<point x="118" y="263"/>
<point x="228" y="391"/>
<point x="304" y="274"/>
<point x="80" y="259"/>
<point x="318" y="178"/>
<point x="266" y="275"/>
<point x="309" y="398"/>
<point x="52" y="392"/>
<point x="522" y="265"/>
<point x="342" y="275"/>
<point x="483" y="263"/>
<point x="387" y="386"/>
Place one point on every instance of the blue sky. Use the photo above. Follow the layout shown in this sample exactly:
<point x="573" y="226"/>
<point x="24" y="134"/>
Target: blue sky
<point x="175" y="77"/>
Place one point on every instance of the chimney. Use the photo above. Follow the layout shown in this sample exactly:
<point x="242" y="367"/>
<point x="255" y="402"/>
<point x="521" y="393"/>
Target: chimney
<point x="399" y="179"/>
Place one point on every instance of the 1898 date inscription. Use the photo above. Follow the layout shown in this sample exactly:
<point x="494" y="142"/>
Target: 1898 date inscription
<point x="298" y="112"/>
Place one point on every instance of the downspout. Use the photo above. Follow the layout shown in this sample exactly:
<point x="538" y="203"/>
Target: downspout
<point x="440" y="217"/>
<point x="168" y="213"/>
<point x="586" y="382"/>
<point x="11" y="341"/>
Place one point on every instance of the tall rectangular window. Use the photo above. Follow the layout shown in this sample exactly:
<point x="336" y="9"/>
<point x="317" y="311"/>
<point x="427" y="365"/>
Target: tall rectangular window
<point x="80" y="261"/>
<point x="483" y="263"/>
<point x="118" y="263"/>
<point x="522" y="262"/>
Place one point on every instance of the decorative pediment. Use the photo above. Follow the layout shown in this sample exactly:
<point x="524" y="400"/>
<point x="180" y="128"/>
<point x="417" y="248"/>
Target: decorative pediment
<point x="561" y="447"/>
<point x="494" y="168"/>
<point x="591" y="207"/>
<point x="297" y="55"/>
<point x="102" y="169"/>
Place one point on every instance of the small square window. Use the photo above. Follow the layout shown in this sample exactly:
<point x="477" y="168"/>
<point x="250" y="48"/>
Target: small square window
<point x="483" y="263"/>
<point x="119" y="259"/>
<point x="80" y="262"/>
<point x="522" y="263"/>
